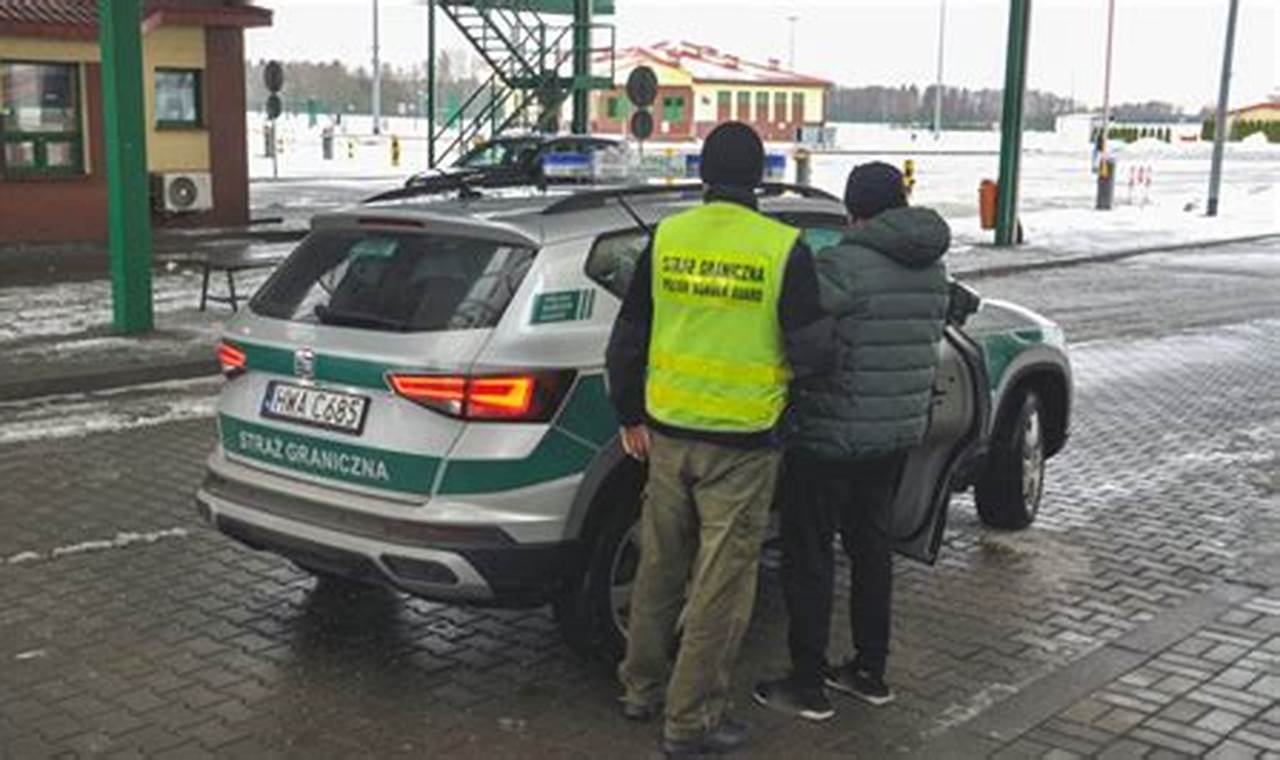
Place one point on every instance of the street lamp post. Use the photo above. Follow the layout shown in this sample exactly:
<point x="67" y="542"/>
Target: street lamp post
<point x="791" y="50"/>
<point x="377" y="75"/>
<point x="1105" y="180"/>
<point x="937" y="93"/>
<point x="1220" y="125"/>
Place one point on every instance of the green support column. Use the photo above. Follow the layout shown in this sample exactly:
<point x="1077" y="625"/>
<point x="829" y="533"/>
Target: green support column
<point x="128" y="208"/>
<point x="1015" y="86"/>
<point x="431" y="84"/>
<point x="581" y="65"/>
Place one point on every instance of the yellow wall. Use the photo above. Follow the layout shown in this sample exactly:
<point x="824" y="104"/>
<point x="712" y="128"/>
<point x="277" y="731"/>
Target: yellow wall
<point x="1260" y="113"/>
<point x="165" y="46"/>
<point x="169" y="149"/>
<point x="46" y="49"/>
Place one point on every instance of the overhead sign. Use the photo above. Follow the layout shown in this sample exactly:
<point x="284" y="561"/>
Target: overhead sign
<point x="641" y="125"/>
<point x="642" y="86"/>
<point x="273" y="76"/>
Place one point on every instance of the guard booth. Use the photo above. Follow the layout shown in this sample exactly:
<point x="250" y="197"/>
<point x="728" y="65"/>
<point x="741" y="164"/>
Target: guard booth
<point x="53" y="183"/>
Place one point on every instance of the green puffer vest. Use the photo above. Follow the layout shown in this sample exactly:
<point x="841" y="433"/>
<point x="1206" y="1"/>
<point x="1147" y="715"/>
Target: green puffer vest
<point x="886" y="286"/>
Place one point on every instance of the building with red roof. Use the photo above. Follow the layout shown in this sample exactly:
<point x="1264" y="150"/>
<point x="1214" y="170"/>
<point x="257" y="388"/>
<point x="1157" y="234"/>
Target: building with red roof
<point x="700" y="87"/>
<point x="53" y="184"/>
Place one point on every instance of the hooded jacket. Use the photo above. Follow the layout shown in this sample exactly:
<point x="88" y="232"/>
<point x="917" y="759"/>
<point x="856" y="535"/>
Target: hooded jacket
<point x="886" y="286"/>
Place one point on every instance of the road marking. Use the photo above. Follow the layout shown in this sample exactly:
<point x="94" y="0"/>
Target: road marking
<point x="121" y="540"/>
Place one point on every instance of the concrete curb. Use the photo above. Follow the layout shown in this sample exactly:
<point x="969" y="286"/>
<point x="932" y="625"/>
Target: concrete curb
<point x="120" y="377"/>
<point x="1003" y="270"/>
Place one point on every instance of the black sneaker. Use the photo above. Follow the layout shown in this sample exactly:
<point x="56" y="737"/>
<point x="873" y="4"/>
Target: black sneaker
<point x="727" y="737"/>
<point x="857" y="682"/>
<point x="790" y="698"/>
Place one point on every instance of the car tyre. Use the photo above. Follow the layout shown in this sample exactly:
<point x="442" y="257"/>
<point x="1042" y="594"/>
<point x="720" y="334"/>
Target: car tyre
<point x="592" y="615"/>
<point x="1009" y="491"/>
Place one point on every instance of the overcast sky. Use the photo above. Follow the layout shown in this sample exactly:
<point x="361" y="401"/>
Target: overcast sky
<point x="1164" y="49"/>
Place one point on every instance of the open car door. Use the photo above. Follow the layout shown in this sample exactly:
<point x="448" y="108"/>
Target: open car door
<point x="958" y="417"/>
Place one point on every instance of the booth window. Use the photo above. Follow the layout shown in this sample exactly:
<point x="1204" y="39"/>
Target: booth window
<point x="673" y="109"/>
<point x="40" y="127"/>
<point x="178" y="103"/>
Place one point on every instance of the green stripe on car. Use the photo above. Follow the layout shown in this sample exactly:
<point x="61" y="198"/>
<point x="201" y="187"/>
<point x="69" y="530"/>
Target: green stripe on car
<point x="377" y="468"/>
<point x="585" y="425"/>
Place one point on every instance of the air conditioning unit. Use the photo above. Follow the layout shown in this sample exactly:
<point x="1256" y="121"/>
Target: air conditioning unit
<point x="180" y="192"/>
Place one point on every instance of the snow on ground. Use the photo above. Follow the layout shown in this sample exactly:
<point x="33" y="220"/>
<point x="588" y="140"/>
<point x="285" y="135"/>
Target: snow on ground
<point x="80" y="414"/>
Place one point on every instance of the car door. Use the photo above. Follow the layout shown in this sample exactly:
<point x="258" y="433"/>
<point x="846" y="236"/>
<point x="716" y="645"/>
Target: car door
<point x="957" y="417"/>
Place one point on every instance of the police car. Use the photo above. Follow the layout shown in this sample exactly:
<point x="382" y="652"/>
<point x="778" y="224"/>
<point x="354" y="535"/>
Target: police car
<point x="416" y="398"/>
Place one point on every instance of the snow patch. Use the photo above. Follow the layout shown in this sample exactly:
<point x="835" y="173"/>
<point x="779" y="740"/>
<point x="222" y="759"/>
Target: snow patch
<point x="121" y="540"/>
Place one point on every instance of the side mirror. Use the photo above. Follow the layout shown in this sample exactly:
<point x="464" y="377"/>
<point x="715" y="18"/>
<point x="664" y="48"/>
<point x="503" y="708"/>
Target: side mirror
<point x="963" y="303"/>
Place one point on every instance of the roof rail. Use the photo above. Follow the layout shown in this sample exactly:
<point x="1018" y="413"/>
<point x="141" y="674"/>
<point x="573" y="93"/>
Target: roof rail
<point x="598" y="198"/>
<point x="469" y="186"/>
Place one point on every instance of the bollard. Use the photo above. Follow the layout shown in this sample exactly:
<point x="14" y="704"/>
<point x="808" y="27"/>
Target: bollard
<point x="988" y="199"/>
<point x="1106" y="184"/>
<point x="804" y="167"/>
<point x="326" y="143"/>
<point x="909" y="176"/>
<point x="395" y="151"/>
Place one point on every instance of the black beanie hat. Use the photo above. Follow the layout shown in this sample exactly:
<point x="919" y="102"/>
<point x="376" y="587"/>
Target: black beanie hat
<point x="732" y="156"/>
<point x="873" y="188"/>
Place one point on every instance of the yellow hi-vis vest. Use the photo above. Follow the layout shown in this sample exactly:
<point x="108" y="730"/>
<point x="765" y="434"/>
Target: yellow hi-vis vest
<point x="716" y="360"/>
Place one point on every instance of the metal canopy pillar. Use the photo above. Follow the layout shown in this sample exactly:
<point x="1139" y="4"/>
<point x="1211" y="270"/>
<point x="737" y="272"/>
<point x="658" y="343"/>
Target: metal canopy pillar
<point x="128" y="213"/>
<point x="581" y="65"/>
<point x="1220" y="123"/>
<point x="431" y="84"/>
<point x="1015" y="85"/>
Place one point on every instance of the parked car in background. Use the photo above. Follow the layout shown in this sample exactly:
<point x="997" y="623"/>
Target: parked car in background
<point x="515" y="159"/>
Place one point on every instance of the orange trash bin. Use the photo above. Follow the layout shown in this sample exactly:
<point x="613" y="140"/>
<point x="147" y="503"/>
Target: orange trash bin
<point x="988" y="198"/>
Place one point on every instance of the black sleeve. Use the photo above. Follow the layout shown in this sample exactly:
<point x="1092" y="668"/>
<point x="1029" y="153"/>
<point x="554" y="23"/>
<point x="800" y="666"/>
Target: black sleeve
<point x="808" y="333"/>
<point x="627" y="357"/>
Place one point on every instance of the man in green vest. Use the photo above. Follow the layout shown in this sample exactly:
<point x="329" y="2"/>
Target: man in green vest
<point x="885" y="284"/>
<point x="722" y="313"/>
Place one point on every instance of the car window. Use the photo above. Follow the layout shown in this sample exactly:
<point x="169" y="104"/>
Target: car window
<point x="396" y="282"/>
<point x="612" y="261"/>
<point x="818" y="231"/>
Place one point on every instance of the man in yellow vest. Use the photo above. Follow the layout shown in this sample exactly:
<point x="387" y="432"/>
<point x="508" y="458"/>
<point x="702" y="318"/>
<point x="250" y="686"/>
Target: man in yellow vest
<point x="721" y="315"/>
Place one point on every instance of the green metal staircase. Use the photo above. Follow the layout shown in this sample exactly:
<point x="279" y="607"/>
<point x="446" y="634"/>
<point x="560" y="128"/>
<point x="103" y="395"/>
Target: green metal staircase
<point x="531" y="63"/>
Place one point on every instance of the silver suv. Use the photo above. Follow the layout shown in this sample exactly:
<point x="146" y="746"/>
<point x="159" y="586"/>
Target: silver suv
<point x="416" y="398"/>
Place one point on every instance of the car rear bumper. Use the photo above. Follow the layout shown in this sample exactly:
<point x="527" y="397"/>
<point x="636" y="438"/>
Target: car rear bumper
<point x="479" y="565"/>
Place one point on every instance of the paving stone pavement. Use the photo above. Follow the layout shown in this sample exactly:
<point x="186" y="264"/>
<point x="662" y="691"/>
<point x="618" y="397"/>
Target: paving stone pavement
<point x="146" y="635"/>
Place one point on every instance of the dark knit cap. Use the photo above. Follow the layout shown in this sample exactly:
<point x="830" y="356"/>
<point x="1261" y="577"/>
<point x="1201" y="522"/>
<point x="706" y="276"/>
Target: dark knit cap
<point x="873" y="188"/>
<point x="732" y="156"/>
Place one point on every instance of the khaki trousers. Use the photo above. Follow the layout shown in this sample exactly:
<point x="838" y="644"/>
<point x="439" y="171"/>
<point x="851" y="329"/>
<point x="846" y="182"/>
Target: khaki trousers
<point x="705" y="512"/>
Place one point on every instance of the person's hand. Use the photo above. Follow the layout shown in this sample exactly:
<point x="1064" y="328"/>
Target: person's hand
<point x="635" y="441"/>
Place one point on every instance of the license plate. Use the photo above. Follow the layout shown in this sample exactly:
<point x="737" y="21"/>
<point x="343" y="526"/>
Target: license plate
<point x="343" y="412"/>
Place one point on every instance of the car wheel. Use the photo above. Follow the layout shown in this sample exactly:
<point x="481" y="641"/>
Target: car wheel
<point x="593" y="615"/>
<point x="1009" y="491"/>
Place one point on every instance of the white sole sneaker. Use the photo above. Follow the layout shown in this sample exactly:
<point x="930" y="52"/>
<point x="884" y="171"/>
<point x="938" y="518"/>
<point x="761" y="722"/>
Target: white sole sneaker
<point x="809" y="715"/>
<point x="871" y="699"/>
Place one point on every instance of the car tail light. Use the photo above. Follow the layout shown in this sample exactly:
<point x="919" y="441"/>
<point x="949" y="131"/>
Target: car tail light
<point x="515" y="397"/>
<point x="231" y="359"/>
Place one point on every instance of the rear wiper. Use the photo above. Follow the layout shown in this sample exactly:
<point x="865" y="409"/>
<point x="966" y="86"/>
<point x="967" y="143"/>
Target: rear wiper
<point x="330" y="316"/>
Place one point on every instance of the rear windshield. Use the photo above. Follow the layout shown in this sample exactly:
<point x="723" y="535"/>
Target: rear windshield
<point x="394" y="282"/>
